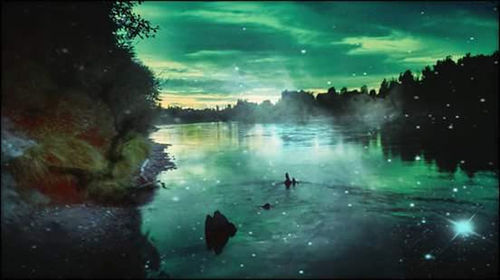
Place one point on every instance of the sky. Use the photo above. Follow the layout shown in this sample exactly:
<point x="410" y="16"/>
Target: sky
<point x="213" y="53"/>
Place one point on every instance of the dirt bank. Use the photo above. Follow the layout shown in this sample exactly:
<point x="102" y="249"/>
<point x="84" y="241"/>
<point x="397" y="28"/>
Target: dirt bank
<point x="85" y="240"/>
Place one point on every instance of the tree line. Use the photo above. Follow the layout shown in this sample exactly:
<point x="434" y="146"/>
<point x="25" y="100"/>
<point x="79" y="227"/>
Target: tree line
<point x="467" y="87"/>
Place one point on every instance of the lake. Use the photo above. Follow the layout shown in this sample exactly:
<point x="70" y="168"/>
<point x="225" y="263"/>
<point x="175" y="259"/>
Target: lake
<point x="356" y="212"/>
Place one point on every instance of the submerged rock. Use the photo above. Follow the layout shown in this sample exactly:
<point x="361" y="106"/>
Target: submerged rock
<point x="287" y="182"/>
<point x="218" y="229"/>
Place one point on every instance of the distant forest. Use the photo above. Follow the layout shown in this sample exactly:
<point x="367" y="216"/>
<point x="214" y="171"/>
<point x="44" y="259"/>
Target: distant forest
<point x="448" y="114"/>
<point x="466" y="88"/>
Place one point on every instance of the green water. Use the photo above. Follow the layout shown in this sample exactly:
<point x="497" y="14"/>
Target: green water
<point x="353" y="212"/>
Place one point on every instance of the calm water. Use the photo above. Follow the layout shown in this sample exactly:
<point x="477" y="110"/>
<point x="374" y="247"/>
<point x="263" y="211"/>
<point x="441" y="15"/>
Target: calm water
<point x="355" y="213"/>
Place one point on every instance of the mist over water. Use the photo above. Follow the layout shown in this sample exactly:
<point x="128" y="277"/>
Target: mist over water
<point x="354" y="210"/>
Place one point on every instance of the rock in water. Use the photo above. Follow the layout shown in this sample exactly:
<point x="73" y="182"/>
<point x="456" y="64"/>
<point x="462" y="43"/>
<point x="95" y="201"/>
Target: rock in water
<point x="218" y="229"/>
<point x="287" y="182"/>
<point x="266" y="206"/>
<point x="209" y="228"/>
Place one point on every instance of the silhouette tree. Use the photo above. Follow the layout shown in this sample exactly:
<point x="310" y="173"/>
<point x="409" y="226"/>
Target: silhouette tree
<point x="384" y="89"/>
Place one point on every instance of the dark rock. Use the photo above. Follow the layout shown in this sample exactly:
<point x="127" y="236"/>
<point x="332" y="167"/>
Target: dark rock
<point x="266" y="206"/>
<point x="287" y="182"/>
<point x="218" y="229"/>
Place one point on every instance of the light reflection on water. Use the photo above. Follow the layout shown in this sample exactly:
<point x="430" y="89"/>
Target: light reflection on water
<point x="350" y="215"/>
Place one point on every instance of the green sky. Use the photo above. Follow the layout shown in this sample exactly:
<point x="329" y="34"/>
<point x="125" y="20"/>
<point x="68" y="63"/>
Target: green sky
<point x="212" y="53"/>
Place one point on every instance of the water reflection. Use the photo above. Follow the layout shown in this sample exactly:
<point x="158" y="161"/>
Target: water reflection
<point x="359" y="206"/>
<point x="450" y="147"/>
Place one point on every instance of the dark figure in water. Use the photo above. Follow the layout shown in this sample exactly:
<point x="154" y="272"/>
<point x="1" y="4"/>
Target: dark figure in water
<point x="287" y="180"/>
<point x="294" y="182"/>
<point x="217" y="231"/>
<point x="266" y="206"/>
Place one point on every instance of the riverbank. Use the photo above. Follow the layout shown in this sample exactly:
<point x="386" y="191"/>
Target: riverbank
<point x="84" y="240"/>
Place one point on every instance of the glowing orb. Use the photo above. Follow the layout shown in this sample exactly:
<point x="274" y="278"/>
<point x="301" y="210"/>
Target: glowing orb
<point x="463" y="228"/>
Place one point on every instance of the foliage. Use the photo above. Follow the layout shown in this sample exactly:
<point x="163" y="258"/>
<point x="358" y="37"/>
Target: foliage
<point x="73" y="85"/>
<point x="115" y="187"/>
<point x="58" y="163"/>
<point x="130" y="25"/>
<point x="133" y="152"/>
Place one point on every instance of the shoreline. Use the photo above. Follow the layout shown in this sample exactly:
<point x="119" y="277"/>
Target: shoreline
<point x="84" y="240"/>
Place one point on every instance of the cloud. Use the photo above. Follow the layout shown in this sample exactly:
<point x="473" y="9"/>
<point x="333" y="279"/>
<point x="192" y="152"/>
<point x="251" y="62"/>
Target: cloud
<point x="427" y="59"/>
<point x="213" y="53"/>
<point x="406" y="51"/>
<point x="171" y="69"/>
<point x="394" y="43"/>
<point x="251" y="15"/>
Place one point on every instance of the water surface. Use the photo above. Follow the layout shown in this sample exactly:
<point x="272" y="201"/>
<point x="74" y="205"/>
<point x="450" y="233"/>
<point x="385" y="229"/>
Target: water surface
<point x="356" y="212"/>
